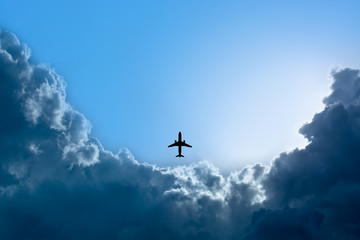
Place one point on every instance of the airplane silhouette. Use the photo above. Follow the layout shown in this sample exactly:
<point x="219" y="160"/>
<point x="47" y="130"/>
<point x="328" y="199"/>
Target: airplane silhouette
<point x="180" y="144"/>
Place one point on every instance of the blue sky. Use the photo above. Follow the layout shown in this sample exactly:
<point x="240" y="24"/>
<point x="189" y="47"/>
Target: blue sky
<point x="237" y="78"/>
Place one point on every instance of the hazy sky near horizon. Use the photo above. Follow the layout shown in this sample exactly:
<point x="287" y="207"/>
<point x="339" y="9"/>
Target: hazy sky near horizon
<point x="237" y="78"/>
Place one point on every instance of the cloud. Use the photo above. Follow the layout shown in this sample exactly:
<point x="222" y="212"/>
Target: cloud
<point x="58" y="182"/>
<point x="324" y="176"/>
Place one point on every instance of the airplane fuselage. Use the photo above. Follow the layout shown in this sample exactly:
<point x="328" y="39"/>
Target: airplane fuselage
<point x="179" y="148"/>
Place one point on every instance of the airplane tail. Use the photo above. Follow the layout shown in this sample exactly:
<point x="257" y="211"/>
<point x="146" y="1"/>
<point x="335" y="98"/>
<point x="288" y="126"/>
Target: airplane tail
<point x="179" y="155"/>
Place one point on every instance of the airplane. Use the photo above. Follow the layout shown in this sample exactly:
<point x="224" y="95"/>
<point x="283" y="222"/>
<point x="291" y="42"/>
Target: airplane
<point x="180" y="144"/>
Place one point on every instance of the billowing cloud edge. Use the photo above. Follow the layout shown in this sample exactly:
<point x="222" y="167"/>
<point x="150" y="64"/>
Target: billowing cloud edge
<point x="58" y="182"/>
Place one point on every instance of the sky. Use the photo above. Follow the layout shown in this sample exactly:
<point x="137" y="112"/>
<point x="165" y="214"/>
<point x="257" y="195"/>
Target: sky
<point x="237" y="78"/>
<point x="268" y="95"/>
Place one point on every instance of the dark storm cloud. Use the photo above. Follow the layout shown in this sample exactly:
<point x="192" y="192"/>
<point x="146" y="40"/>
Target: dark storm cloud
<point x="318" y="188"/>
<point x="57" y="182"/>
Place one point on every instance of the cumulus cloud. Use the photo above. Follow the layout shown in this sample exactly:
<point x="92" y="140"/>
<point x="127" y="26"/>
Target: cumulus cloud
<point x="58" y="182"/>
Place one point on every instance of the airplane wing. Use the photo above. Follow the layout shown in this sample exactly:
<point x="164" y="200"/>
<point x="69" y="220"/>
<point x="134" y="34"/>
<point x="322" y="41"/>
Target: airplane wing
<point x="186" y="145"/>
<point x="173" y="145"/>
